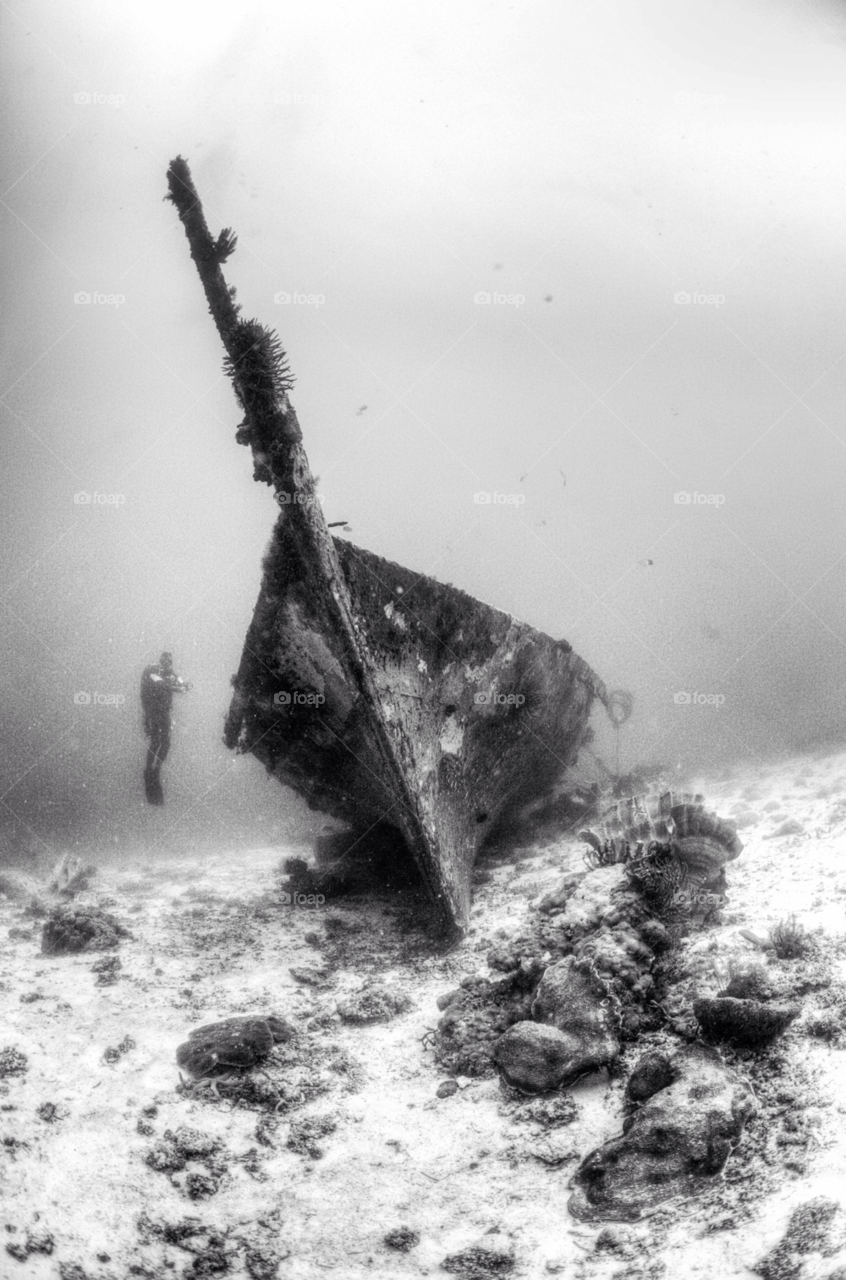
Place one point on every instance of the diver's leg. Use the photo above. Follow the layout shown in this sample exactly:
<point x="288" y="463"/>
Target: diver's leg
<point x="150" y="761"/>
<point x="152" y="786"/>
<point x="159" y="744"/>
<point x="152" y="781"/>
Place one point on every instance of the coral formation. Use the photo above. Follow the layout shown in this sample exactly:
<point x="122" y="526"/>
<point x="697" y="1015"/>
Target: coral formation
<point x="34" y="1242"/>
<point x="376" y="1002"/>
<point x="69" y="930"/>
<point x="401" y="1238"/>
<point x="748" y="979"/>
<point x="478" y="1263"/>
<point x="175" y="1149"/>
<point x="304" y="1135"/>
<point x="556" y="899"/>
<point x="590" y="972"/>
<point x="749" y="1023"/>
<point x="816" y="1227"/>
<point x="13" y="1062"/>
<point x="477" y="1013"/>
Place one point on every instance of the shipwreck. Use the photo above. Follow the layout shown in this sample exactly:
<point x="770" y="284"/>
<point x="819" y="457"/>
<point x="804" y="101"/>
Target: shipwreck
<point x="389" y="701"/>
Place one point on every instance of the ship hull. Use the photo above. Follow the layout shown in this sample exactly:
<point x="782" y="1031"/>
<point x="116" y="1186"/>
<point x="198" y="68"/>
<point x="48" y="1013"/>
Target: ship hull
<point x="433" y="713"/>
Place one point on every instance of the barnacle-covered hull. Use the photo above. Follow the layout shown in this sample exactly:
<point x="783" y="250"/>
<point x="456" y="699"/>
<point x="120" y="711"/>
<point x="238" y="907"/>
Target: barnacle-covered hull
<point x="379" y="695"/>
<point x="465" y="711"/>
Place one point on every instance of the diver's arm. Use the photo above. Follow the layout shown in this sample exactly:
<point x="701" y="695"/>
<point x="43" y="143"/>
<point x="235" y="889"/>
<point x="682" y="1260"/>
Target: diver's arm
<point x="146" y="681"/>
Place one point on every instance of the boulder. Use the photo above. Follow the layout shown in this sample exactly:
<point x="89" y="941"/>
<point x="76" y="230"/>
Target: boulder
<point x="654" y="1071"/>
<point x="234" y="1044"/>
<point x="573" y="997"/>
<point x="535" y="1057"/>
<point x="688" y="1110"/>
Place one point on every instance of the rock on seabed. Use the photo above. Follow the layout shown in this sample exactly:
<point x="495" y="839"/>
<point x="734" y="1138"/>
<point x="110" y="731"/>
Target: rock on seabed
<point x="689" y="1110"/>
<point x="234" y="1044"/>
<point x="536" y="1058"/>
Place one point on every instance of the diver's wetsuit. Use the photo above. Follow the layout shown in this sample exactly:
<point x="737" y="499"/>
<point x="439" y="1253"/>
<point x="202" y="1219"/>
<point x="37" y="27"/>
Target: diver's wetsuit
<point x="158" y="685"/>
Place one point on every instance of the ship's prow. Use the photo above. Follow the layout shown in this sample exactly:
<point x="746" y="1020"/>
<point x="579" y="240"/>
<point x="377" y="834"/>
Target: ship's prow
<point x="469" y="714"/>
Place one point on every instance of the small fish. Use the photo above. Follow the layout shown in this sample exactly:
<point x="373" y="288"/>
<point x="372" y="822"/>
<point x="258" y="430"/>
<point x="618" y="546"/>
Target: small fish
<point x="646" y="563"/>
<point x="360" y="411"/>
<point x="548" y="298"/>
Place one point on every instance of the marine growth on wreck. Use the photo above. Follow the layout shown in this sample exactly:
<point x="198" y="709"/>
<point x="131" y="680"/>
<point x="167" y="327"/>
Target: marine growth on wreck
<point x="384" y="698"/>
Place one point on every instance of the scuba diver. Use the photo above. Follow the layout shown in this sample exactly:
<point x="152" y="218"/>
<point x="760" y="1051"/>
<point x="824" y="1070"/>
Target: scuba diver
<point x="159" y="683"/>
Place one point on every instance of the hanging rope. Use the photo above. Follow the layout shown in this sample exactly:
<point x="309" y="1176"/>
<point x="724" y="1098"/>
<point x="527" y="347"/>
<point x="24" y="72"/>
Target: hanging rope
<point x="619" y="706"/>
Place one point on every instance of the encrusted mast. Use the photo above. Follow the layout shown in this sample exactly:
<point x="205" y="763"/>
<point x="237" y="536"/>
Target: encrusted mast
<point x="255" y="360"/>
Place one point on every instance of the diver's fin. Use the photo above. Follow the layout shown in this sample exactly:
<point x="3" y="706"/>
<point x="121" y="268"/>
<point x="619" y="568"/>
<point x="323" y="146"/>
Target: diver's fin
<point x="153" y="789"/>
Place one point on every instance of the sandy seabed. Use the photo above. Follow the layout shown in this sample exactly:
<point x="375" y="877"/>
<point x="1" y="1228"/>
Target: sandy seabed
<point x="212" y="937"/>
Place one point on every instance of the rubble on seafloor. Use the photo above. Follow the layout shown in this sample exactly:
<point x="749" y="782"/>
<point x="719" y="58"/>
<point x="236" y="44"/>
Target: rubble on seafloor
<point x="604" y="969"/>
<point x="690" y="1033"/>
